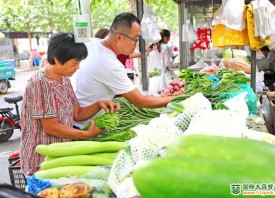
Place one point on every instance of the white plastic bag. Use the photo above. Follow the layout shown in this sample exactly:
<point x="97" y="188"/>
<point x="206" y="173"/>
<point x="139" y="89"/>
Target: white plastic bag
<point x="188" y="32"/>
<point x="264" y="22"/>
<point x="155" y="60"/>
<point x="231" y="14"/>
<point x="260" y="81"/>
<point x="149" y="26"/>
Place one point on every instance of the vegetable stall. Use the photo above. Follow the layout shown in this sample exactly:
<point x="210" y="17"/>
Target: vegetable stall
<point x="198" y="145"/>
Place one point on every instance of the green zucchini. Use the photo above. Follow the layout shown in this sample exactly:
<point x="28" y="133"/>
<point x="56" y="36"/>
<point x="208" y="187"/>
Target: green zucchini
<point x="197" y="178"/>
<point x="222" y="148"/>
<point x="67" y="171"/>
<point x="77" y="160"/>
<point x="79" y="149"/>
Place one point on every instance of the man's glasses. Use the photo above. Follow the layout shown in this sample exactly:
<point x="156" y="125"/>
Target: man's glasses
<point x="129" y="37"/>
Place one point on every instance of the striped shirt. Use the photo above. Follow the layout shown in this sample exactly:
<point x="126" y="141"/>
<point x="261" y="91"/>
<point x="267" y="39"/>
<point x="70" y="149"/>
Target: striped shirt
<point x="43" y="98"/>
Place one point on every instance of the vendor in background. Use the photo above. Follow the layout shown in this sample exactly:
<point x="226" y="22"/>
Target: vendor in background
<point x="270" y="55"/>
<point x="50" y="105"/>
<point x="102" y="76"/>
<point x="160" y="58"/>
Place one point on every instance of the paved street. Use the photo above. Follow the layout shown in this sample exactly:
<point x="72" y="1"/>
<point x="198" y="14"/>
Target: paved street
<point x="17" y="88"/>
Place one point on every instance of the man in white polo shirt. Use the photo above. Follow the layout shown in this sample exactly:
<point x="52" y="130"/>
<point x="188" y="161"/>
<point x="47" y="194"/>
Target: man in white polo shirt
<point x="101" y="75"/>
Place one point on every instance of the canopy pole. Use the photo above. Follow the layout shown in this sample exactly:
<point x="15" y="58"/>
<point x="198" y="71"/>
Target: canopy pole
<point x="253" y="70"/>
<point x="142" y="48"/>
<point x="182" y="10"/>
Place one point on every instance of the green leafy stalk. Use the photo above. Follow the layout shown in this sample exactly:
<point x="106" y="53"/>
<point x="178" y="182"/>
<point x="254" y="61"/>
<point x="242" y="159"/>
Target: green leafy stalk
<point x="106" y="120"/>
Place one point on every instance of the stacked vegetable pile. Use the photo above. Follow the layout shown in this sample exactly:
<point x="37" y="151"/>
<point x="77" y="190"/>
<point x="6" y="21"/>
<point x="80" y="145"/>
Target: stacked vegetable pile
<point x="174" y="88"/>
<point x="191" y="169"/>
<point x="228" y="81"/>
<point x="199" y="82"/>
<point x="129" y="116"/>
<point x="76" y="158"/>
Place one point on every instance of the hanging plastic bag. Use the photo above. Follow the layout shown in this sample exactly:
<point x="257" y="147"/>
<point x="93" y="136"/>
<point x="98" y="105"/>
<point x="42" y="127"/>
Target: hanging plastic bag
<point x="260" y="81"/>
<point x="188" y="32"/>
<point x="154" y="61"/>
<point x="264" y="15"/>
<point x="222" y="37"/>
<point x="155" y="84"/>
<point x="255" y="42"/>
<point x="149" y="27"/>
<point x="231" y="15"/>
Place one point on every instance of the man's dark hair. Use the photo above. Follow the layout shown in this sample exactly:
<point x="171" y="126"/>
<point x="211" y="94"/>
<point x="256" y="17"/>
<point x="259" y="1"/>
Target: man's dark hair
<point x="123" y="21"/>
<point x="265" y="48"/>
<point x="62" y="46"/>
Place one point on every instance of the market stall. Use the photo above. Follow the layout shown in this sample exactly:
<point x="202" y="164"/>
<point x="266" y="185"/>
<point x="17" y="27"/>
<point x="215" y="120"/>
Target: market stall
<point x="213" y="113"/>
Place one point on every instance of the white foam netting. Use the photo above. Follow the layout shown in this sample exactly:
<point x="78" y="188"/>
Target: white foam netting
<point x="146" y="145"/>
<point x="192" y="106"/>
<point x="218" y="122"/>
<point x="225" y="123"/>
<point x="121" y="168"/>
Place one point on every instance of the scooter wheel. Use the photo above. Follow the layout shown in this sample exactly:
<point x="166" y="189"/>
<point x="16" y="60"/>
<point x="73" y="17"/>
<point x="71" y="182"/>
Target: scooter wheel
<point x="6" y="131"/>
<point x="3" y="87"/>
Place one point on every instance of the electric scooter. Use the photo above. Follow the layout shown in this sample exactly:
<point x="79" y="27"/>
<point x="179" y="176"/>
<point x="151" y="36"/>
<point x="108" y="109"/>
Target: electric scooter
<point x="8" y="120"/>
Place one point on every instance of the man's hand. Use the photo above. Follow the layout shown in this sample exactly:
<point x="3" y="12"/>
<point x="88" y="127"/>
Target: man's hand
<point x="108" y="105"/>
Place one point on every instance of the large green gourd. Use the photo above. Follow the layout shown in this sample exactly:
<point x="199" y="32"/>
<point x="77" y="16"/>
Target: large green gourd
<point x="197" y="178"/>
<point x="205" y="166"/>
<point x="222" y="148"/>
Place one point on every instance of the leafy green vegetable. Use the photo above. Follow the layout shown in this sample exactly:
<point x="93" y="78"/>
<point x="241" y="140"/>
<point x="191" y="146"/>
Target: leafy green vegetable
<point x="106" y="120"/>
<point x="223" y="71"/>
<point x="190" y="75"/>
<point x="235" y="77"/>
<point x="115" y="135"/>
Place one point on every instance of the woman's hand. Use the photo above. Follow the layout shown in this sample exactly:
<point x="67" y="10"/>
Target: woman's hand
<point x="93" y="130"/>
<point x="108" y="105"/>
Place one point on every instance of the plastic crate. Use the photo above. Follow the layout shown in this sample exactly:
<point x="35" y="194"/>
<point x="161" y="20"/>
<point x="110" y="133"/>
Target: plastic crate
<point x="17" y="177"/>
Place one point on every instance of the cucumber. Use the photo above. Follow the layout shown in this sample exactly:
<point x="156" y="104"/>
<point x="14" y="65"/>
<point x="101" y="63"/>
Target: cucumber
<point x="77" y="160"/>
<point x="79" y="148"/>
<point x="197" y="178"/>
<point x="66" y="171"/>
<point x="222" y="148"/>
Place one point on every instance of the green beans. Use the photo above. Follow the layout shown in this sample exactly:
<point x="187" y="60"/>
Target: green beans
<point x="129" y="116"/>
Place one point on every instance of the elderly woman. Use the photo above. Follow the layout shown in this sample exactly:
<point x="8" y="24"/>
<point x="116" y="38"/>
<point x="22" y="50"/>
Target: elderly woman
<point x="50" y="105"/>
